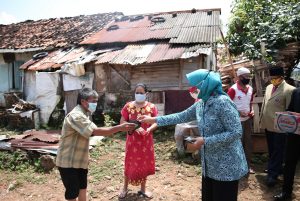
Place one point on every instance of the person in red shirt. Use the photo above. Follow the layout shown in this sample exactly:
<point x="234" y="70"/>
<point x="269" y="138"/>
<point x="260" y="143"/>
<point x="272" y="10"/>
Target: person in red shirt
<point x="241" y="93"/>
<point x="139" y="152"/>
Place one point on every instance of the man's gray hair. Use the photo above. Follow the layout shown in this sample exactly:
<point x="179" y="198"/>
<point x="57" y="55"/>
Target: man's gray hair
<point x="85" y="94"/>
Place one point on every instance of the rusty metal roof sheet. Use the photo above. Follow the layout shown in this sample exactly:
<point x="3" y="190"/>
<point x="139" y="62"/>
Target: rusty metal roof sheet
<point x="36" y="139"/>
<point x="55" y="59"/>
<point x="58" y="58"/>
<point x="54" y="32"/>
<point x="176" y="27"/>
<point x="151" y="52"/>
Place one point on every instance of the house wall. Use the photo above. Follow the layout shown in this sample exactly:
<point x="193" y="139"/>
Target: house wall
<point x="1" y="59"/>
<point x="11" y="76"/>
<point x="164" y="79"/>
<point x="100" y="78"/>
<point x="29" y="89"/>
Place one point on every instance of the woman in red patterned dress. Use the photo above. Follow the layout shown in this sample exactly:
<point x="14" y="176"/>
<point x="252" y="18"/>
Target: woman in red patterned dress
<point x="139" y="152"/>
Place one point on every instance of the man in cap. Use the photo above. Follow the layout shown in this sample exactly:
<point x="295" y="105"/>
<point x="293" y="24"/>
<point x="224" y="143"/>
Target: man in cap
<point x="241" y="93"/>
<point x="292" y="153"/>
<point x="277" y="99"/>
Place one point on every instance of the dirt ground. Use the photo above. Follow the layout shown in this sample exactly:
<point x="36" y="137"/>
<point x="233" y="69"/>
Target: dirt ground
<point x="175" y="179"/>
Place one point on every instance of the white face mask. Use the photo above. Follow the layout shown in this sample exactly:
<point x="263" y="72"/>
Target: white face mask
<point x="92" y="107"/>
<point x="140" y="98"/>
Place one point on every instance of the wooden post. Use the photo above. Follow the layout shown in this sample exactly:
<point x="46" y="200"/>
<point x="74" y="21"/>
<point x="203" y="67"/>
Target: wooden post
<point x="228" y="54"/>
<point x="180" y="73"/>
<point x="256" y="118"/>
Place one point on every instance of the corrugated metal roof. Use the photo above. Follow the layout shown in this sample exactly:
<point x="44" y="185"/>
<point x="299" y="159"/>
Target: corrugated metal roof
<point x="151" y="52"/>
<point x="178" y="27"/>
<point x="202" y="34"/>
<point x="56" y="59"/>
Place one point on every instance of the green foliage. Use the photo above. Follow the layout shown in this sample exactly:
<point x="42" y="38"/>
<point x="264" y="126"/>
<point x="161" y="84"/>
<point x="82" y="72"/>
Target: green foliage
<point x="18" y="161"/>
<point x="108" y="120"/>
<point x="254" y="22"/>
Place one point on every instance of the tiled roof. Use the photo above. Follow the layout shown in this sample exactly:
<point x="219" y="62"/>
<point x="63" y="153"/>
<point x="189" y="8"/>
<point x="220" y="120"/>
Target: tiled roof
<point x="151" y="52"/>
<point x="200" y="26"/>
<point x="51" y="33"/>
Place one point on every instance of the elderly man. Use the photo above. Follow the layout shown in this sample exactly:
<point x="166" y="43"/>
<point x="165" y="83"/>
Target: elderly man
<point x="241" y="93"/>
<point x="277" y="99"/>
<point x="73" y="152"/>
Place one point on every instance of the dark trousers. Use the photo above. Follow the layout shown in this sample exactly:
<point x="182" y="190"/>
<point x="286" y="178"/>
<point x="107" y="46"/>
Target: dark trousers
<point x="213" y="190"/>
<point x="276" y="146"/>
<point x="291" y="158"/>
<point x="247" y="139"/>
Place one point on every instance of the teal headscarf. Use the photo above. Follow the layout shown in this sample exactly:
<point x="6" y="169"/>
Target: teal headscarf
<point x="208" y="82"/>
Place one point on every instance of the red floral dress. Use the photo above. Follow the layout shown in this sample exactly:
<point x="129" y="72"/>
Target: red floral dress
<point x="139" y="157"/>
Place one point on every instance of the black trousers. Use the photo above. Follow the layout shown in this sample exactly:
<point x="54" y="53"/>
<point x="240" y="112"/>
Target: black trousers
<point x="213" y="190"/>
<point x="276" y="147"/>
<point x="291" y="158"/>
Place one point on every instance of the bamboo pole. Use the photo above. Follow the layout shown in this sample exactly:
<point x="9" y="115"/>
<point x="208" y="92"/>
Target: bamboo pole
<point x="228" y="54"/>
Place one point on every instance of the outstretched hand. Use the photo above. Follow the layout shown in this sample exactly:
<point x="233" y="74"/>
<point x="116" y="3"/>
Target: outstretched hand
<point x="147" y="119"/>
<point x="127" y="127"/>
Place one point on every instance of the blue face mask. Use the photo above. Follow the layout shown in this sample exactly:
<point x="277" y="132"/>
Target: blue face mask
<point x="140" y="98"/>
<point x="92" y="107"/>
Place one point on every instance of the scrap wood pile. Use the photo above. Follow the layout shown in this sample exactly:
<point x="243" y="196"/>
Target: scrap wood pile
<point x="19" y="114"/>
<point x="3" y="117"/>
<point x="18" y="104"/>
<point x="286" y="57"/>
<point x="228" y="71"/>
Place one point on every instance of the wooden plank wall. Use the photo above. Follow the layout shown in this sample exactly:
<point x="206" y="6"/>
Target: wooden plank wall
<point x="156" y="76"/>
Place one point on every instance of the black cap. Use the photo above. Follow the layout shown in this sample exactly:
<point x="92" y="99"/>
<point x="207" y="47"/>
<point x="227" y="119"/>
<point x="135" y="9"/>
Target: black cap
<point x="276" y="71"/>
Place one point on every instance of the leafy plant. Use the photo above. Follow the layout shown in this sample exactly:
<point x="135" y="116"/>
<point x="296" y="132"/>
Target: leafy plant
<point x="18" y="161"/>
<point x="109" y="121"/>
<point x="261" y="24"/>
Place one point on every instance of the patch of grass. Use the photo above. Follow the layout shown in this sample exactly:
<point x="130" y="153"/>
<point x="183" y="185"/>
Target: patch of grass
<point x="99" y="170"/>
<point x="19" y="161"/>
<point x="7" y="132"/>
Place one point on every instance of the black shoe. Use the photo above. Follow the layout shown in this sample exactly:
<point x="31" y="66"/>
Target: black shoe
<point x="271" y="182"/>
<point x="282" y="196"/>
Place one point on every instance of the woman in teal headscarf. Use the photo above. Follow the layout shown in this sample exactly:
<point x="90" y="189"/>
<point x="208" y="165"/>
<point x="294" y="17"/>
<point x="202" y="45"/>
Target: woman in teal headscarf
<point x="222" y="156"/>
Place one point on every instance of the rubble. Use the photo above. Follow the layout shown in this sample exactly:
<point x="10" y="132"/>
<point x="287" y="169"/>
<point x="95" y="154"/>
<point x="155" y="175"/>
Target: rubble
<point x="21" y="115"/>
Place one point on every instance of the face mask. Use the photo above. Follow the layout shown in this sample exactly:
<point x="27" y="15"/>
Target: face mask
<point x="140" y="98"/>
<point x="276" y="81"/>
<point x="245" y="81"/>
<point x="92" y="107"/>
<point x="195" y="94"/>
